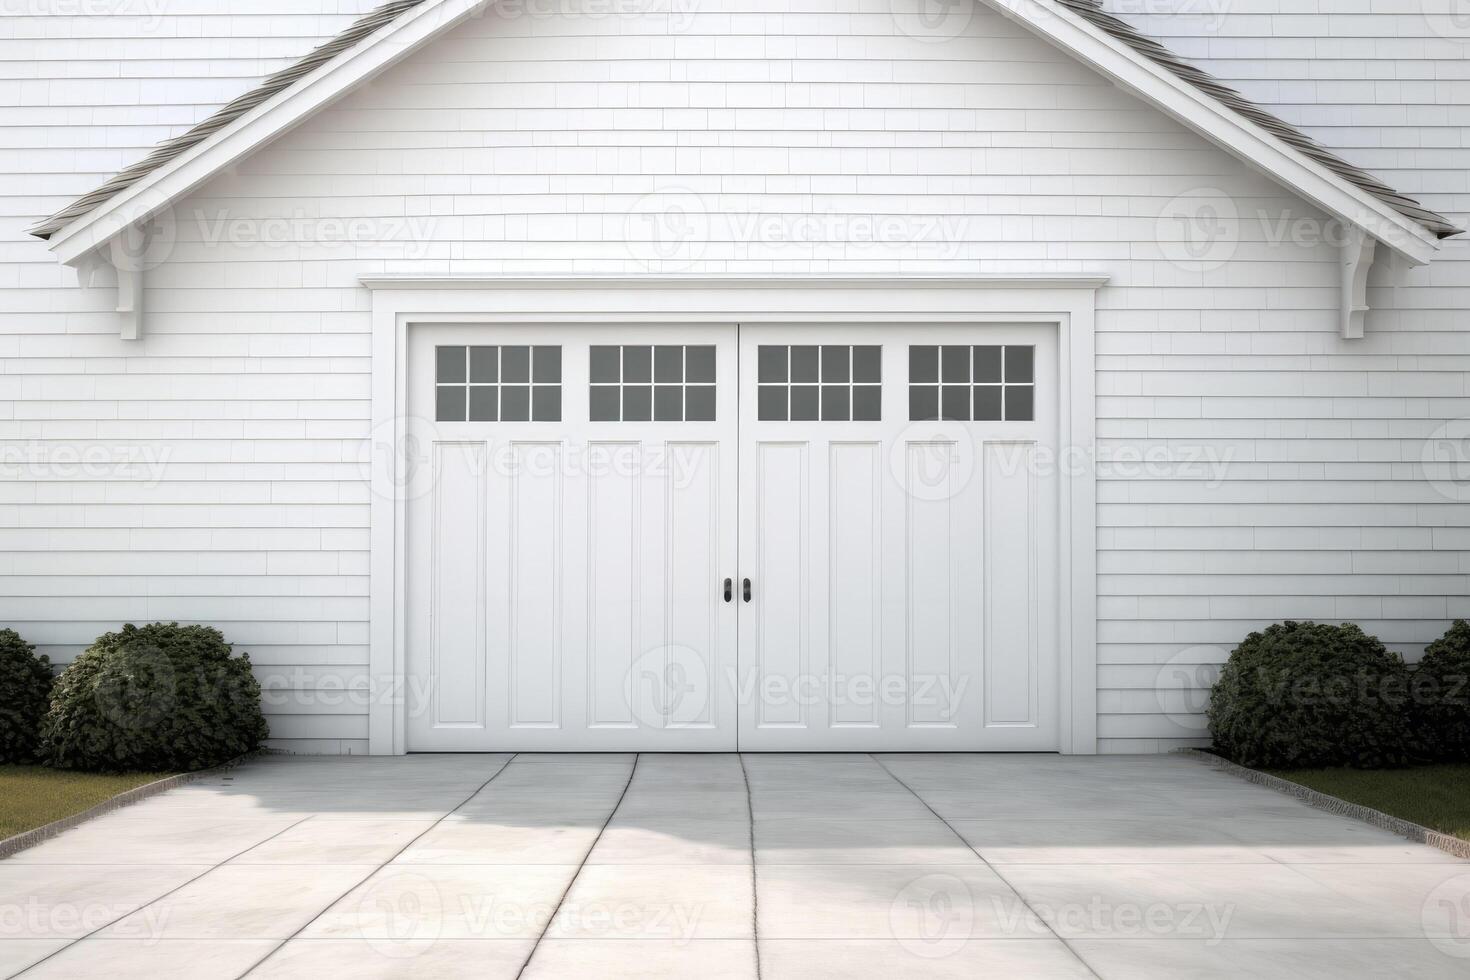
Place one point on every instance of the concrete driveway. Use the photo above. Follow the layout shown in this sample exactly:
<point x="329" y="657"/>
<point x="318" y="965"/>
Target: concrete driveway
<point x="728" y="866"/>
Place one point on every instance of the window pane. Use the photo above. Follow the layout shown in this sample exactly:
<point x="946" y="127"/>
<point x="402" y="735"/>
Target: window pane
<point x="638" y="402"/>
<point x="515" y="403"/>
<point x="957" y="364"/>
<point x="923" y="402"/>
<point x="482" y="403"/>
<point x="1019" y="363"/>
<point x="835" y="363"/>
<point x="804" y="406"/>
<point x="449" y="364"/>
<point x="604" y="403"/>
<point x="547" y="364"/>
<point x="1020" y="405"/>
<point x="699" y="403"/>
<point x="956" y="404"/>
<point x="604" y="363"/>
<point x="866" y="361"/>
<point x="668" y="364"/>
<point x="637" y="364"/>
<point x="867" y="403"/>
<point x="987" y="364"/>
<point x="924" y="364"/>
<point x="835" y="403"/>
<point x="772" y="363"/>
<point x="515" y="364"/>
<point x="987" y="403"/>
<point x="668" y="403"/>
<point x="771" y="403"/>
<point x="483" y="364"/>
<point x="449" y="403"/>
<point x="700" y="364"/>
<point x="804" y="364"/>
<point x="546" y="403"/>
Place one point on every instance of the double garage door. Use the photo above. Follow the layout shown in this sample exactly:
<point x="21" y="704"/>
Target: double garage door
<point x="701" y="538"/>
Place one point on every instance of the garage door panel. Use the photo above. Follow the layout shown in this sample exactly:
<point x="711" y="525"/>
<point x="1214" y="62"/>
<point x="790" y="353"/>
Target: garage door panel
<point x="781" y="570"/>
<point x="903" y="550"/>
<point x="606" y="525"/>
<point x="930" y="559"/>
<point x="691" y="614"/>
<point x="457" y="592"/>
<point x="1012" y="671"/>
<point x="615" y="579"/>
<point x="855" y="583"/>
<point x="535" y="573"/>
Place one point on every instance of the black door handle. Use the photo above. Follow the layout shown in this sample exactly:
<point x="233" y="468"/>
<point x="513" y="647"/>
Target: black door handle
<point x="747" y="590"/>
<point x="728" y="593"/>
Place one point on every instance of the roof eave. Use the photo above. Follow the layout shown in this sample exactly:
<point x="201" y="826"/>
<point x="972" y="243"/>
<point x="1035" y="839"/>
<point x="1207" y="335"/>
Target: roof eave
<point x="1243" y="139"/>
<point x="1056" y="22"/>
<point x="313" y="91"/>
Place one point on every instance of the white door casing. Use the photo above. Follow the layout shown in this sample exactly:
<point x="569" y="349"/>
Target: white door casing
<point x="1059" y="307"/>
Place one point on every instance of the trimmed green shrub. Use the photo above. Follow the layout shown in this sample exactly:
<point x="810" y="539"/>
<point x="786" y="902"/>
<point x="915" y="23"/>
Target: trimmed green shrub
<point x="1301" y="695"/>
<point x="160" y="697"/>
<point x="25" y="689"/>
<point x="1441" y="701"/>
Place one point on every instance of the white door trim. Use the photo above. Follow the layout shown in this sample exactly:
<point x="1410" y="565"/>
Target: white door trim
<point x="1068" y="302"/>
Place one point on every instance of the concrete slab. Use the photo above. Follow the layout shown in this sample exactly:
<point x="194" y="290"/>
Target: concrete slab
<point x="891" y="901"/>
<point x="500" y="842"/>
<point x="1145" y="866"/>
<point x="671" y="839"/>
<point x="841" y="959"/>
<point x="239" y="901"/>
<point x="168" y="959"/>
<point x="631" y="959"/>
<point x="808" y="840"/>
<point x="409" y="904"/>
<point x="673" y="903"/>
<point x="17" y="954"/>
<point x="1289" y="959"/>
<point x="370" y="959"/>
<point x="55" y="901"/>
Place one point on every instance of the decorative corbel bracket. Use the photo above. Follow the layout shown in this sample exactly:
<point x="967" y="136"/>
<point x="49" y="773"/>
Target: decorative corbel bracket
<point x="129" y="268"/>
<point x="1357" y="258"/>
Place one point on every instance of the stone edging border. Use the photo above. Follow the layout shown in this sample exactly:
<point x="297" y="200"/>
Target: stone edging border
<point x="1413" y="831"/>
<point x="37" y="835"/>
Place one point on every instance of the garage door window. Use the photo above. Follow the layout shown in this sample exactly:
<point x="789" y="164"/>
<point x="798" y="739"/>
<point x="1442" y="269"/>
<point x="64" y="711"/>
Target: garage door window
<point x="983" y="383"/>
<point x="652" y="383"/>
<point x="827" y="383"/>
<point x="497" y="384"/>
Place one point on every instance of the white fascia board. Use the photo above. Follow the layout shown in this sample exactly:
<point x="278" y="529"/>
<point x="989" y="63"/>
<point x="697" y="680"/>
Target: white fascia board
<point x="258" y="127"/>
<point x="1222" y="126"/>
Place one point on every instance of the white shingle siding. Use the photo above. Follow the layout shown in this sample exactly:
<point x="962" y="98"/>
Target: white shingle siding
<point x="1385" y="85"/>
<point x="521" y="146"/>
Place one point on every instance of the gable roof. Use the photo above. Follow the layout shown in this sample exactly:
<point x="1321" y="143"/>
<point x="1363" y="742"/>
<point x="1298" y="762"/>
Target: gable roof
<point x="1092" y="12"/>
<point x="279" y="81"/>
<point x="1040" y="15"/>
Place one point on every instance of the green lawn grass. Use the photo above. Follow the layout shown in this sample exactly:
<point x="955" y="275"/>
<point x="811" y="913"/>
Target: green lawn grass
<point x="32" y="796"/>
<point x="1435" y="796"/>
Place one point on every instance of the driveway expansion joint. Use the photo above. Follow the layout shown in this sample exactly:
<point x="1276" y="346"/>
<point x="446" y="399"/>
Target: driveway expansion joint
<point x="390" y="859"/>
<point x="993" y="869"/>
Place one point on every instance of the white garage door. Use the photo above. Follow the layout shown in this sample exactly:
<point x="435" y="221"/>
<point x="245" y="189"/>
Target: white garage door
<point x="702" y="538"/>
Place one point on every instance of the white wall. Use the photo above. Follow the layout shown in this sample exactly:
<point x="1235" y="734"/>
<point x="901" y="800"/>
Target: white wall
<point x="235" y="533"/>
<point x="522" y="145"/>
<point x="1354" y="530"/>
